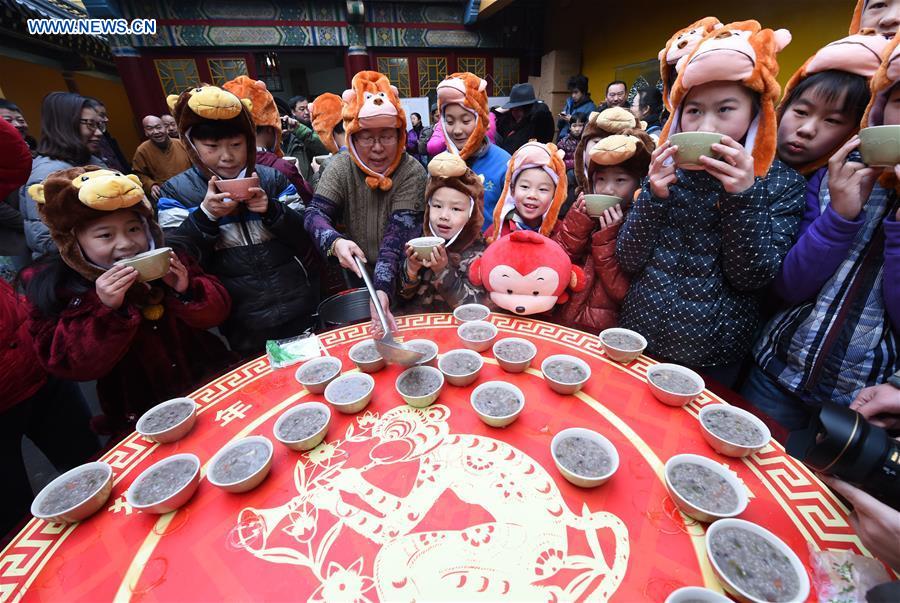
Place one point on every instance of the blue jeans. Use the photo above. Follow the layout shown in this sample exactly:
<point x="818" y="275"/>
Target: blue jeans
<point x="766" y="394"/>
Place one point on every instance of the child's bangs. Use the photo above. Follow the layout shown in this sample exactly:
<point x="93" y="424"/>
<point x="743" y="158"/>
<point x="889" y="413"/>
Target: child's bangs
<point x="833" y="86"/>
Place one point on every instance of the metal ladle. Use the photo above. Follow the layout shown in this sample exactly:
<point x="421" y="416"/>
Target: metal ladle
<point x="390" y="349"/>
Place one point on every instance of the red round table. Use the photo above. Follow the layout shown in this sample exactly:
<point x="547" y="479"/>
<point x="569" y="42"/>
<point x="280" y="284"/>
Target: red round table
<point x="402" y="504"/>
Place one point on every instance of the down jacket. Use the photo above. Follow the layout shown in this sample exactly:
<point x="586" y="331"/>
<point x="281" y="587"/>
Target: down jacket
<point x="701" y="259"/>
<point x="596" y="307"/>
<point x="21" y="375"/>
<point x="259" y="258"/>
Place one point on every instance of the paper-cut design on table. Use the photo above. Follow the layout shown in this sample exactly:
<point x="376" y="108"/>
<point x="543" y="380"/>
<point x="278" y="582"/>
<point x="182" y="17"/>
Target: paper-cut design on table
<point x="535" y="547"/>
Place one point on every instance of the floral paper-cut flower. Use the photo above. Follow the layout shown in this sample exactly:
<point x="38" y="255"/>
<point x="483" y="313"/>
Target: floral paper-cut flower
<point x="344" y="584"/>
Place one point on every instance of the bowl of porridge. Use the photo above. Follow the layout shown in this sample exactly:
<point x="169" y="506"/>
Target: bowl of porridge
<point x="425" y="246"/>
<point x="75" y="495"/>
<point x="696" y="594"/>
<point x="514" y="354"/>
<point x="316" y="374"/>
<point x="428" y="348"/>
<point x="470" y="312"/>
<point x="755" y="565"/>
<point x="733" y="431"/>
<point x="477" y="335"/>
<point x="622" y="345"/>
<point x="704" y="489"/>
<point x="673" y="384"/>
<point x="350" y="393"/>
<point x="692" y="146"/>
<point x="565" y="374"/>
<point x="420" y="386"/>
<point x="584" y="457"/>
<point x="497" y="403"/>
<point x="304" y="426"/>
<point x="165" y="485"/>
<point x="241" y="465"/>
<point x="168" y="421"/>
<point x="366" y="356"/>
<point x="460" y="367"/>
<point x="880" y="145"/>
<point x="151" y="265"/>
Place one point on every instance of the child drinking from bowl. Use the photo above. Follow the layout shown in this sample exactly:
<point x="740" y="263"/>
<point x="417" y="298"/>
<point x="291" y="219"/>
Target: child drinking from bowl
<point x="258" y="246"/>
<point x="841" y="280"/>
<point x="701" y="246"/>
<point x="439" y="283"/>
<point x="616" y="167"/>
<point x="534" y="191"/>
<point x="92" y="319"/>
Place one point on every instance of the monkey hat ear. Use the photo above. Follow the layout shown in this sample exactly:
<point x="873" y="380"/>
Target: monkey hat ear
<point x="475" y="273"/>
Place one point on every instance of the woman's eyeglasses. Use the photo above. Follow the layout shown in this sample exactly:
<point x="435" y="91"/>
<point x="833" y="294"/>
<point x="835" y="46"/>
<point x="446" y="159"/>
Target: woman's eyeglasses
<point x="92" y="124"/>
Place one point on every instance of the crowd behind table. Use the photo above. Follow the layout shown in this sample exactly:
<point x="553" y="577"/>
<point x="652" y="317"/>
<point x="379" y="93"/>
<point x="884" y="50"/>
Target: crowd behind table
<point x="771" y="267"/>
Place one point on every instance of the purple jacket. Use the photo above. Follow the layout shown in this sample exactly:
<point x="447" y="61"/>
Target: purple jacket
<point x="823" y="242"/>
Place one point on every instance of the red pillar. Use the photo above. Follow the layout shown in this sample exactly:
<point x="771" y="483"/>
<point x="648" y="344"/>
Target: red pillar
<point x="356" y="62"/>
<point x="142" y="86"/>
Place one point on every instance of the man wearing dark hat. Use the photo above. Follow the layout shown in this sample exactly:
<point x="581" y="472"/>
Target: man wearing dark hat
<point x="523" y="118"/>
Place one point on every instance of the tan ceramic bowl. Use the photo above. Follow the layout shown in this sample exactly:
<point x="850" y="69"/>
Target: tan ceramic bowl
<point x="597" y="204"/>
<point x="151" y="265"/>
<point x="692" y="146"/>
<point x="880" y="145"/>
<point x="514" y="366"/>
<point x="82" y="510"/>
<point x="491" y="420"/>
<point x="309" y="442"/>
<point x="560" y="387"/>
<point x="620" y="354"/>
<point x="670" y="398"/>
<point x="429" y="357"/>
<point x="697" y="512"/>
<point x="423" y="246"/>
<point x="424" y="400"/>
<point x="725" y="447"/>
<point x="173" y="433"/>
<point x="370" y="366"/>
<point x="252" y="480"/>
<point x="480" y="345"/>
<point x="318" y="387"/>
<point x="483" y="312"/>
<point x="353" y="406"/>
<point x="775" y="541"/>
<point x="177" y="498"/>
<point x="238" y="188"/>
<point x="695" y="594"/>
<point x="580" y="480"/>
<point x="467" y="378"/>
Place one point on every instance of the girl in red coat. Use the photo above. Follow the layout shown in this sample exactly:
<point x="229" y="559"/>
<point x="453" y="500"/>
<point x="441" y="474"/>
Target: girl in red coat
<point x="93" y="319"/>
<point x="616" y="165"/>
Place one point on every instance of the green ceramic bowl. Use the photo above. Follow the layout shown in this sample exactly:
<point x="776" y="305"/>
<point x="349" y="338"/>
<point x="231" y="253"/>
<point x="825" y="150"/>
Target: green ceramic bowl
<point x="880" y="145"/>
<point x="597" y="204"/>
<point x="692" y="146"/>
<point x="424" y="246"/>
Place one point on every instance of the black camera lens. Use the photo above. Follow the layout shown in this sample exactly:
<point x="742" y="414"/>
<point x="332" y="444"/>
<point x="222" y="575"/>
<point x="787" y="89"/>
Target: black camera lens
<point x="840" y="442"/>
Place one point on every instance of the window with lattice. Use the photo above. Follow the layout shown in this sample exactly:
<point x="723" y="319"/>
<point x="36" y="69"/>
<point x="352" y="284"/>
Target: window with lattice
<point x="397" y="70"/>
<point x="432" y="71"/>
<point x="476" y="65"/>
<point x="177" y="75"/>
<point x="506" y="75"/>
<point x="224" y="70"/>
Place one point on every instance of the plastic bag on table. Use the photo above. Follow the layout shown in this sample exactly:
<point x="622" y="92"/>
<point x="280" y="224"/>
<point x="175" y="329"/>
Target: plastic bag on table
<point x="285" y="352"/>
<point x="844" y="577"/>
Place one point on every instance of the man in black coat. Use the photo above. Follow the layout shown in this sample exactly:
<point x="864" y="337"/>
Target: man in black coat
<point x="523" y="118"/>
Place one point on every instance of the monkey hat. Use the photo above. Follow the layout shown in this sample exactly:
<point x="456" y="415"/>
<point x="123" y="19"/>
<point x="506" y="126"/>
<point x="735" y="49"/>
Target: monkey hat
<point x="325" y="113"/>
<point x="69" y="199"/>
<point x="629" y="150"/>
<point x="469" y="92"/>
<point x="447" y="170"/>
<point x="682" y="43"/>
<point x="373" y="102"/>
<point x="859" y="54"/>
<point x="614" y="120"/>
<point x="883" y="83"/>
<point x="263" y="109"/>
<point x="743" y="53"/>
<point x="212" y="104"/>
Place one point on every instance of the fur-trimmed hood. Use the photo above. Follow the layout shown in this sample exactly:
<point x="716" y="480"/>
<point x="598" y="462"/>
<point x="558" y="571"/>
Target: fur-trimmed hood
<point x="745" y="53"/>
<point x="68" y="199"/>
<point x="449" y="170"/>
<point x="263" y="109"/>
<point x="325" y="114"/>
<point x="373" y="102"/>
<point x="469" y="91"/>
<point x="211" y="103"/>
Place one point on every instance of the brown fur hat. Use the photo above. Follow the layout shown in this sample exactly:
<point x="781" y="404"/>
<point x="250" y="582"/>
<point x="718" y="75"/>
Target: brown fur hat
<point x="631" y="150"/>
<point x="450" y="170"/>
<point x="68" y="199"/>
<point x="212" y="104"/>
<point x="614" y="120"/>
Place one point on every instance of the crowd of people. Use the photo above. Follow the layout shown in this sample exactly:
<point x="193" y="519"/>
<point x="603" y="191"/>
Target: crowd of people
<point x="771" y="267"/>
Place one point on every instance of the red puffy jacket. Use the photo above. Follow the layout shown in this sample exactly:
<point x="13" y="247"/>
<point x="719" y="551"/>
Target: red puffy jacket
<point x="596" y="307"/>
<point x="21" y="375"/>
